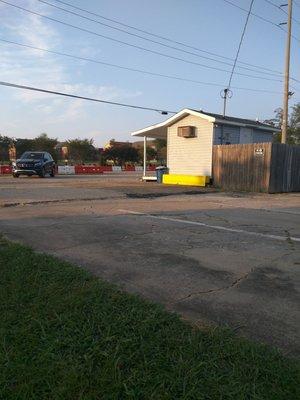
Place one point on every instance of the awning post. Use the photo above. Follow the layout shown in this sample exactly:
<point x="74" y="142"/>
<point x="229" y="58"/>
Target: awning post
<point x="145" y="156"/>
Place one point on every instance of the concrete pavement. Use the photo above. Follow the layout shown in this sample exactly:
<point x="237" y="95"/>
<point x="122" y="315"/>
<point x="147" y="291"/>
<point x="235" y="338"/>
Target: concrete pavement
<point x="215" y="258"/>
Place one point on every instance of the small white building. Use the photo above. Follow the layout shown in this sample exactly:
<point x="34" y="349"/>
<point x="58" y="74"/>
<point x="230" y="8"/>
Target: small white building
<point x="191" y="134"/>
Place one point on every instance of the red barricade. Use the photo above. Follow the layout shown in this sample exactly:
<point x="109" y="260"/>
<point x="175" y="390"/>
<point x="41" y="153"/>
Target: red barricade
<point x="84" y="169"/>
<point x="151" y="168"/>
<point x="88" y="169"/>
<point x="129" y="168"/>
<point x="5" y="169"/>
<point x="106" y="168"/>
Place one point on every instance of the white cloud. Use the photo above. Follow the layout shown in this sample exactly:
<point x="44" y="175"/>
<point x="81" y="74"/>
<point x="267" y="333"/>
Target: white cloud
<point x="44" y="70"/>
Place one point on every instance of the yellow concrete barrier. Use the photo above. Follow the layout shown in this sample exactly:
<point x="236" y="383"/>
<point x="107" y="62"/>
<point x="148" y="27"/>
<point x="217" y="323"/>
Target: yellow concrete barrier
<point x="191" y="180"/>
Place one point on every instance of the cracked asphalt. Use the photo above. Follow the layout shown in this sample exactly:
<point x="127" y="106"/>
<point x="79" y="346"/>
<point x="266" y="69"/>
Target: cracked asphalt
<point x="215" y="258"/>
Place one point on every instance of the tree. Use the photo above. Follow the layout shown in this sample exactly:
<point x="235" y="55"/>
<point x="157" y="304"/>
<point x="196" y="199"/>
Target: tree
<point x="122" y="154"/>
<point x="44" y="143"/>
<point x="277" y="119"/>
<point x="81" y="150"/>
<point x="161" y="146"/>
<point x="160" y="143"/>
<point x="40" y="143"/>
<point x="5" y="143"/>
<point x="23" y="145"/>
<point x="293" y="133"/>
<point x="295" y="124"/>
<point x="151" y="153"/>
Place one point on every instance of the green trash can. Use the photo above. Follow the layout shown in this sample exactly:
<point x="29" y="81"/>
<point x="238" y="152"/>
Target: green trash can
<point x="160" y="171"/>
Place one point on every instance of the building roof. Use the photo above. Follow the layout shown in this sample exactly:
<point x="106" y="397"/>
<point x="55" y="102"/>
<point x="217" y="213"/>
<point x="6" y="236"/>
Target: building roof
<point x="160" y="130"/>
<point x="242" y="121"/>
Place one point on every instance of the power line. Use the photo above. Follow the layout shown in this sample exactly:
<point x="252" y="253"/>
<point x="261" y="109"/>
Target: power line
<point x="154" y="35"/>
<point x="132" y="45"/>
<point x="227" y="93"/>
<point x="132" y="69"/>
<point x="255" y="15"/>
<point x="147" y="39"/>
<point x="281" y="9"/>
<point x="240" y="44"/>
<point x="84" y="98"/>
<point x="260" y="17"/>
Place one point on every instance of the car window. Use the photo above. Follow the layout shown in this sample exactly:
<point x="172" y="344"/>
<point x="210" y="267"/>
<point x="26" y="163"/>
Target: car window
<point x="31" y="156"/>
<point x="47" y="157"/>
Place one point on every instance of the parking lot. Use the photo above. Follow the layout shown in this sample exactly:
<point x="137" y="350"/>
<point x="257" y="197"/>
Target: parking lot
<point x="215" y="258"/>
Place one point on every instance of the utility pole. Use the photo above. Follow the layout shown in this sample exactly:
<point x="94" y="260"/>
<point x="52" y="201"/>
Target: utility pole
<point x="225" y="91"/>
<point x="145" y="156"/>
<point x="285" y="115"/>
<point x="225" y="94"/>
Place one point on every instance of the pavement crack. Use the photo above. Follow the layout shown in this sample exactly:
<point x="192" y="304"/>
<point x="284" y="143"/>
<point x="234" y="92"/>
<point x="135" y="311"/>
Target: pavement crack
<point x="152" y="195"/>
<point x="152" y="231"/>
<point x="289" y="239"/>
<point x="217" y="218"/>
<point x="233" y="284"/>
<point x="54" y="201"/>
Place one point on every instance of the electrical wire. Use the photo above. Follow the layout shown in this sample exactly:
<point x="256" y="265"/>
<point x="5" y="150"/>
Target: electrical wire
<point x="14" y="85"/>
<point x="132" y="69"/>
<point x="240" y="44"/>
<point x="154" y="41"/>
<point x="282" y="10"/>
<point x="261" y="18"/>
<point x="132" y="45"/>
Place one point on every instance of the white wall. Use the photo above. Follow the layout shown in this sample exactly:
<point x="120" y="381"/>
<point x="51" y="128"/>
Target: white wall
<point x="66" y="170"/>
<point x="190" y="156"/>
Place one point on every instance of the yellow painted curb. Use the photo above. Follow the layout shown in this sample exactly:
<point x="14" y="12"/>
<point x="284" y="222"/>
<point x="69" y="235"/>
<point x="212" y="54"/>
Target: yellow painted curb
<point x="192" y="180"/>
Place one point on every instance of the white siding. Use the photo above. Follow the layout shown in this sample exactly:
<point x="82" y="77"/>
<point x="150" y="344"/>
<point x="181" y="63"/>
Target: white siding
<point x="190" y="156"/>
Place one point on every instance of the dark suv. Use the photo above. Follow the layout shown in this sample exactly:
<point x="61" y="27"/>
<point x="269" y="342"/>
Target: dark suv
<point x="34" y="163"/>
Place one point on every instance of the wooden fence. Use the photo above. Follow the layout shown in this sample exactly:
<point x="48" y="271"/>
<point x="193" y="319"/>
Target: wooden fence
<point x="258" y="167"/>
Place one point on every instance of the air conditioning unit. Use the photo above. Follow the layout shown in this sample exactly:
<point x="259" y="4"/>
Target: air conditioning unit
<point x="186" y="131"/>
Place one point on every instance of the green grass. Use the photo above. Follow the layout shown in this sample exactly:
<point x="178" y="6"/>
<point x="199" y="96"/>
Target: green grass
<point x="67" y="335"/>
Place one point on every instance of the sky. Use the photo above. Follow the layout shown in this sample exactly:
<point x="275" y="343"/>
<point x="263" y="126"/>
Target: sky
<point x="212" y="26"/>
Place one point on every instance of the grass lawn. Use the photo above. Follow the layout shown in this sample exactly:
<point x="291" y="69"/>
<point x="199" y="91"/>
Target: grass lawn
<point x="65" y="334"/>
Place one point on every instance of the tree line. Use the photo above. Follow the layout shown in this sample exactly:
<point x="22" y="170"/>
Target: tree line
<point x="84" y="150"/>
<point x="81" y="150"/>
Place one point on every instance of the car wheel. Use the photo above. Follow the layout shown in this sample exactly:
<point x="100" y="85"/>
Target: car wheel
<point x="52" y="173"/>
<point x="42" y="173"/>
<point x="16" y="175"/>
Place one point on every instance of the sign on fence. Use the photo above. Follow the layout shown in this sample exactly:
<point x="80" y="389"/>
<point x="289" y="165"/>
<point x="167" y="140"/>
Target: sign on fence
<point x="66" y="170"/>
<point x="116" y="168"/>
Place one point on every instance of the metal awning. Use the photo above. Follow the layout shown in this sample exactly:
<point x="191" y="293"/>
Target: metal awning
<point x="154" y="132"/>
<point x="159" y="131"/>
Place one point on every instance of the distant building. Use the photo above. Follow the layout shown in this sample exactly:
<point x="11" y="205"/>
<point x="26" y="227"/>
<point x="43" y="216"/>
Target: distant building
<point x="12" y="153"/>
<point x="114" y="143"/>
<point x="140" y="144"/>
<point x="62" y="150"/>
